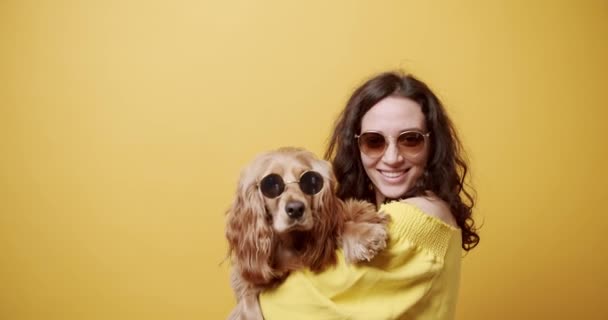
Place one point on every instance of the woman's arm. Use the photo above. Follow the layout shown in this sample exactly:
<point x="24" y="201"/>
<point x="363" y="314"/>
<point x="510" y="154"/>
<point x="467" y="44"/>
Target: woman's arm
<point x="416" y="276"/>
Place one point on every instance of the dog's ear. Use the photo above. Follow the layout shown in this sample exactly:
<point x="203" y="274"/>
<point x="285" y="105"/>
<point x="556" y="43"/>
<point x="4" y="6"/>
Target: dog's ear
<point x="327" y="211"/>
<point x="250" y="237"/>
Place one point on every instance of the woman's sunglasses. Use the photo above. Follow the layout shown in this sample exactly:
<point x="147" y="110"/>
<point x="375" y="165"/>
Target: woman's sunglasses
<point x="374" y="144"/>
<point x="272" y="185"/>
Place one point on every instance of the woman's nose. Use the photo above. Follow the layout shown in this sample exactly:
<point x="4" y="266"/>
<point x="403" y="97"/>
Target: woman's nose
<point x="392" y="155"/>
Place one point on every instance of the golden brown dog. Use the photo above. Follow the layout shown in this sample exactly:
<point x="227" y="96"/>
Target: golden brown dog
<point x="286" y="216"/>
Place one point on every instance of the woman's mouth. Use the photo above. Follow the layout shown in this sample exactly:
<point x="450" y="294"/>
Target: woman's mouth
<point x="394" y="174"/>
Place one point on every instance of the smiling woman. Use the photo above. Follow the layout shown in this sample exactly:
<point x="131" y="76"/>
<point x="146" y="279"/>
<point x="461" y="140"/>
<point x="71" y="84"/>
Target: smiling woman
<point x="395" y="147"/>
<point x="414" y="153"/>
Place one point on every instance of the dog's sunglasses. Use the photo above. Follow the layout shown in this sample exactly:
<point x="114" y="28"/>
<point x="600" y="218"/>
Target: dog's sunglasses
<point x="272" y="185"/>
<point x="409" y="143"/>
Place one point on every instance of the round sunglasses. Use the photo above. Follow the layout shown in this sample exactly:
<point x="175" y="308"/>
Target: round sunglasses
<point x="374" y="144"/>
<point x="272" y="185"/>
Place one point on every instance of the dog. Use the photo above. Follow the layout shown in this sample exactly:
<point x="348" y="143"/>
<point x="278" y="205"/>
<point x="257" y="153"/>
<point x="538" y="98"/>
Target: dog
<point x="286" y="216"/>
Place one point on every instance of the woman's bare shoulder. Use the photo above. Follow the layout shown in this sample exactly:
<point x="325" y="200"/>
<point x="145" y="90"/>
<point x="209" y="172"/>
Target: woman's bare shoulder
<point x="435" y="207"/>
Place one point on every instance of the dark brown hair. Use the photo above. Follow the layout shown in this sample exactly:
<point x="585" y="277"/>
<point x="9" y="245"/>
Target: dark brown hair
<point x="445" y="170"/>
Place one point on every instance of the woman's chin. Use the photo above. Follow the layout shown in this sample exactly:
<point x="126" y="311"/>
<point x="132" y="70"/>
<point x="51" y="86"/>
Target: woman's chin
<point x="392" y="193"/>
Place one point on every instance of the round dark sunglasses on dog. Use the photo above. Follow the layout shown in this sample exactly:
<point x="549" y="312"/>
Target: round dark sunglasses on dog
<point x="409" y="143"/>
<point x="272" y="185"/>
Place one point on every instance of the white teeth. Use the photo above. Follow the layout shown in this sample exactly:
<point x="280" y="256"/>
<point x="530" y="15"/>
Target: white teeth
<point x="392" y="174"/>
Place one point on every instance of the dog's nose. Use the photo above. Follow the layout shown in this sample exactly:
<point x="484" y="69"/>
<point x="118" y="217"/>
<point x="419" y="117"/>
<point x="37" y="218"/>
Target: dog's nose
<point x="295" y="209"/>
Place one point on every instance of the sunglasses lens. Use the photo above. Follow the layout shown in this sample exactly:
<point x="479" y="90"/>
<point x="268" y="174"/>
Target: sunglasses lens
<point x="372" y="143"/>
<point x="311" y="182"/>
<point x="411" y="141"/>
<point x="272" y="185"/>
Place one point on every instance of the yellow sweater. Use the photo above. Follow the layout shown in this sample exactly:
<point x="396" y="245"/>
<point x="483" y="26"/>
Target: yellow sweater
<point x="415" y="277"/>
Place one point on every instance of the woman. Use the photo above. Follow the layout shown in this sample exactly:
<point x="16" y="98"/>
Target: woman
<point x="393" y="145"/>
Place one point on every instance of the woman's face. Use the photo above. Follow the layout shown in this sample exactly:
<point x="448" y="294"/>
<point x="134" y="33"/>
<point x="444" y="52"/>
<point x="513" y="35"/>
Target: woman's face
<point x="393" y="173"/>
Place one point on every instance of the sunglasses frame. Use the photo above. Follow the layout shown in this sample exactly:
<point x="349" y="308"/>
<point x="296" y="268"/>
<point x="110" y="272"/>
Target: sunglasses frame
<point x="387" y="139"/>
<point x="285" y="183"/>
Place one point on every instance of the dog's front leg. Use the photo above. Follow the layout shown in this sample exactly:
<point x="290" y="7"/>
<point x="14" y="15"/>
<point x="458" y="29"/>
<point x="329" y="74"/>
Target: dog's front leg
<point x="248" y="308"/>
<point x="365" y="232"/>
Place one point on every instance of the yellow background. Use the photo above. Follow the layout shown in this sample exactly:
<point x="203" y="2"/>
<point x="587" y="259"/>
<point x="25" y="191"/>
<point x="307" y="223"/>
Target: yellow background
<point x="124" y="124"/>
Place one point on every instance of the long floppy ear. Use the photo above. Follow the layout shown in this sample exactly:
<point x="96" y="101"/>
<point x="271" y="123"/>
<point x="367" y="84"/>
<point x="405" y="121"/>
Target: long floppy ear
<point x="250" y="237"/>
<point x="329" y="220"/>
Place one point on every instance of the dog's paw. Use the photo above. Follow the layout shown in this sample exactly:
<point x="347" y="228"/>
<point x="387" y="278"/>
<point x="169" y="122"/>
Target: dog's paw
<point x="363" y="241"/>
<point x="375" y="242"/>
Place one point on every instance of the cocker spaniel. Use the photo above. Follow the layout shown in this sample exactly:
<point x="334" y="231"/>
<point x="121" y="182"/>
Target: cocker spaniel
<point x="286" y="216"/>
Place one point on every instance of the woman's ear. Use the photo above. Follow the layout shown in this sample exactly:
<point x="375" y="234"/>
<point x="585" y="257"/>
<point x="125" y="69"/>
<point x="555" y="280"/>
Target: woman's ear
<point x="250" y="237"/>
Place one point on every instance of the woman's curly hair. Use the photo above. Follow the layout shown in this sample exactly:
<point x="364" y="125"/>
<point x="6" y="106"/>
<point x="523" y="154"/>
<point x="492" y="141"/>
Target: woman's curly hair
<point x="446" y="169"/>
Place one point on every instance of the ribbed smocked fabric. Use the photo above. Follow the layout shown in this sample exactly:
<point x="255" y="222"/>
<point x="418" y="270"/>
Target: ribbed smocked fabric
<point x="421" y="229"/>
<point x="415" y="277"/>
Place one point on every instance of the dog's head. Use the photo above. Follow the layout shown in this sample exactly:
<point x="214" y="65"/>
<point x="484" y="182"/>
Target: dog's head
<point x="281" y="193"/>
